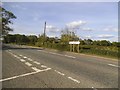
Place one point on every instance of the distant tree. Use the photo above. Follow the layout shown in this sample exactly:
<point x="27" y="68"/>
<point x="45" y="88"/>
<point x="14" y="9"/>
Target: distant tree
<point x="9" y="38"/>
<point x="7" y="17"/>
<point x="41" y="40"/>
<point x="105" y="43"/>
<point x="88" y="41"/>
<point x="116" y="44"/>
<point x="32" y="39"/>
<point x="82" y="42"/>
<point x="67" y="36"/>
<point x="96" y="42"/>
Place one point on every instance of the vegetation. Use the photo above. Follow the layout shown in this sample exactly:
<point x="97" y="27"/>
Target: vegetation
<point x="103" y="47"/>
<point x="7" y="17"/>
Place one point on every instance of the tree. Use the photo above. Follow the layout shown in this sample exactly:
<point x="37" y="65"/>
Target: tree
<point x="105" y="43"/>
<point x="32" y="39"/>
<point x="7" y="17"/>
<point x="67" y="36"/>
<point x="88" y="41"/>
<point x="117" y="44"/>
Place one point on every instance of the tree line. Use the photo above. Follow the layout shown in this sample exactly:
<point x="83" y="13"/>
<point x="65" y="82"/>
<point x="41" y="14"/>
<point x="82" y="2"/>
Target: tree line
<point x="65" y="38"/>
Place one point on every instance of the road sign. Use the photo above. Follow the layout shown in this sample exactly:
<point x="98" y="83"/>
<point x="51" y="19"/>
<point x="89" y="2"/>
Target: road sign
<point x="74" y="42"/>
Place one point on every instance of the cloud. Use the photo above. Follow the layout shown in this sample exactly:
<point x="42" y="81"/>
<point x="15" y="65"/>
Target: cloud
<point x="111" y="28"/>
<point x="18" y="7"/>
<point x="1" y="3"/>
<point x="75" y="24"/>
<point x="36" y="17"/>
<point x="52" y="29"/>
<point x="86" y="29"/>
<point x="105" y="36"/>
<point x="88" y="36"/>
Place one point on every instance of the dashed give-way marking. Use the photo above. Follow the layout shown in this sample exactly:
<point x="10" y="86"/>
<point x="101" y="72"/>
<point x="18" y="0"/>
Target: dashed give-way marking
<point x="22" y="60"/>
<point x="59" y="72"/>
<point x="36" y="62"/>
<point x="30" y="59"/>
<point x="28" y="64"/>
<point x="43" y="66"/>
<point x="24" y="57"/>
<point x="73" y="79"/>
<point x="36" y="69"/>
<point x="21" y="55"/>
<point x="23" y="75"/>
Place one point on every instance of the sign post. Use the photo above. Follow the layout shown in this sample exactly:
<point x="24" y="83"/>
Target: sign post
<point x="72" y="45"/>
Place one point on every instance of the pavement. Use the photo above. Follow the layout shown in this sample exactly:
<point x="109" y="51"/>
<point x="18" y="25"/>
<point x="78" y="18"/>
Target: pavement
<point x="27" y="67"/>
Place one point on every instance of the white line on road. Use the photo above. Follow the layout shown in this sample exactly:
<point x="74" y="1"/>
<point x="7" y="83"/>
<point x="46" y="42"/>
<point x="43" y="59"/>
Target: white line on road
<point x="113" y="65"/>
<point x="43" y="51"/>
<point x="28" y="64"/>
<point x="43" y="66"/>
<point x="36" y="62"/>
<point x="73" y="79"/>
<point x="94" y="88"/>
<point x="23" y="75"/>
<point x="58" y="54"/>
<point x="70" y="56"/>
<point x="21" y="55"/>
<point x="30" y="59"/>
<point x="24" y="57"/>
<point x="15" y="55"/>
<point x="22" y="60"/>
<point x="59" y="72"/>
<point x="36" y="69"/>
<point x="62" y="55"/>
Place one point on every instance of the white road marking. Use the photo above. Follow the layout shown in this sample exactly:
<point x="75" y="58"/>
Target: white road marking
<point x="36" y="69"/>
<point x="24" y="57"/>
<point x="36" y="62"/>
<point x="23" y="75"/>
<point x="22" y="60"/>
<point x="28" y="64"/>
<point x="58" y="54"/>
<point x="59" y="72"/>
<point x="43" y="66"/>
<point x="113" y="65"/>
<point x="94" y="88"/>
<point x="15" y="55"/>
<point x="62" y="55"/>
<point x="30" y="59"/>
<point x="21" y="55"/>
<point x="70" y="56"/>
<point x="74" y="79"/>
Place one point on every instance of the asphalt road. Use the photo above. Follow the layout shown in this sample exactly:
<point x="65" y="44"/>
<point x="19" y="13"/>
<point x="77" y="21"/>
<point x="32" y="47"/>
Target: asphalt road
<point x="25" y="67"/>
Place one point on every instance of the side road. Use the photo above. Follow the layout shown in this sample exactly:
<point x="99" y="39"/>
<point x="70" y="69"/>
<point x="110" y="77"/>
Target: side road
<point x="65" y="52"/>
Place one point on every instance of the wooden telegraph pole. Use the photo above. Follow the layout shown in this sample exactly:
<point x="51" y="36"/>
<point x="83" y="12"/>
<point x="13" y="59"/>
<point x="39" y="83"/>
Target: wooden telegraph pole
<point x="44" y="35"/>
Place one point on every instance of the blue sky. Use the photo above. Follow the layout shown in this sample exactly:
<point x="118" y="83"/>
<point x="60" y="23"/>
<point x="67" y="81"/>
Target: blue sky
<point x="94" y="20"/>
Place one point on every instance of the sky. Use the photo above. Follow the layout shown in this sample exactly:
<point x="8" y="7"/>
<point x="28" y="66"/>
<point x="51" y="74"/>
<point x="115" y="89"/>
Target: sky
<point x="93" y="20"/>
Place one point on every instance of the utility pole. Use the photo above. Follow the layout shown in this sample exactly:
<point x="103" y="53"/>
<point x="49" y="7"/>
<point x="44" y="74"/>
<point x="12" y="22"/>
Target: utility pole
<point x="44" y="35"/>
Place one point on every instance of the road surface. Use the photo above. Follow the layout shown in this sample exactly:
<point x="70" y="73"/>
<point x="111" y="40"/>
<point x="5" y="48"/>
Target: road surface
<point x="25" y="67"/>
